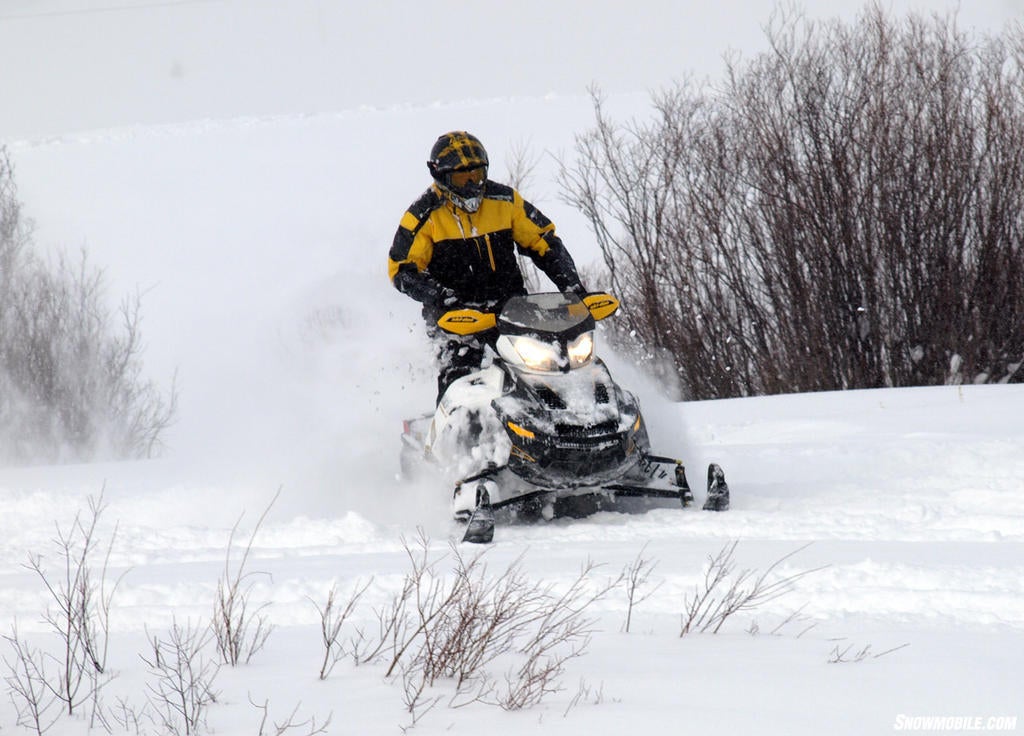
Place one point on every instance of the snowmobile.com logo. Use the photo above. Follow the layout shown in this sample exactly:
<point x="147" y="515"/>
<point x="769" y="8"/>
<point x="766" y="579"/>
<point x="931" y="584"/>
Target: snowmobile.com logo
<point x="955" y="723"/>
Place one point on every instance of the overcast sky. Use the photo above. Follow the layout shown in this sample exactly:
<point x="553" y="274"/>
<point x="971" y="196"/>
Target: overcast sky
<point x="73" y="65"/>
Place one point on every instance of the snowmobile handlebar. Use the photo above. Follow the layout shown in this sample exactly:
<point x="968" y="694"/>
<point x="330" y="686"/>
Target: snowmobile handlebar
<point x="466" y="321"/>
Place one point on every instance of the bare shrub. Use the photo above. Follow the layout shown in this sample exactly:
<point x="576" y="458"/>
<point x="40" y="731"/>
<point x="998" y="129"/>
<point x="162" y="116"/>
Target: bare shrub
<point x="854" y="653"/>
<point x="308" y="727"/>
<point x="724" y="592"/>
<point x="457" y="629"/>
<point x="794" y="618"/>
<point x="585" y="693"/>
<point x="240" y="632"/>
<point x="129" y="718"/>
<point x="635" y="576"/>
<point x="71" y="382"/>
<point x="83" y="596"/>
<point x="29" y="685"/>
<point x="560" y="631"/>
<point x="182" y="678"/>
<point x="846" y="210"/>
<point x="332" y="618"/>
<point x="78" y="616"/>
<point x="409" y="612"/>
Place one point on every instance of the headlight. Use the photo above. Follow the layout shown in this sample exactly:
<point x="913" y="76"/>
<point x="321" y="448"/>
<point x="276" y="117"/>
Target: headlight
<point x="581" y="350"/>
<point x="537" y="355"/>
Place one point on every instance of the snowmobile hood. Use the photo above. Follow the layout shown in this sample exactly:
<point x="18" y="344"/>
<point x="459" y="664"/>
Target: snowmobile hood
<point x="584" y="397"/>
<point x="545" y="316"/>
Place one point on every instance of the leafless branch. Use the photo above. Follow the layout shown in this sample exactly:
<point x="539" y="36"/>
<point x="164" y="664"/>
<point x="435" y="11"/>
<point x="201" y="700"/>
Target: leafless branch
<point x="454" y="629"/>
<point x="181" y="688"/>
<point x="79" y="611"/>
<point x="636" y="575"/>
<point x="331" y="622"/>
<point x="71" y="377"/>
<point x="843" y="211"/>
<point x="725" y="592"/>
<point x="29" y="684"/>
<point x="309" y="726"/>
<point x="850" y="653"/>
<point x="585" y="694"/>
<point x="239" y="632"/>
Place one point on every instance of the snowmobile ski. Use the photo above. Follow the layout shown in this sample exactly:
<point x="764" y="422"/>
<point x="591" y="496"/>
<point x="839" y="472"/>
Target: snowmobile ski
<point x="480" y="526"/>
<point x="718" y="490"/>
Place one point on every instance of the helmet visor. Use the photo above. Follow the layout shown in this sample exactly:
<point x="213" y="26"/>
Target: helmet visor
<point x="461" y="178"/>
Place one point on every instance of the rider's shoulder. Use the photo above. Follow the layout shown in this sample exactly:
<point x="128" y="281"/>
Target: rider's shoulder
<point x="427" y="202"/>
<point x="500" y="192"/>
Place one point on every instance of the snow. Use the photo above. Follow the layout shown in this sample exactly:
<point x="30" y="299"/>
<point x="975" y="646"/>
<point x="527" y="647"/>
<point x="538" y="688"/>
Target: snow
<point x="248" y="183"/>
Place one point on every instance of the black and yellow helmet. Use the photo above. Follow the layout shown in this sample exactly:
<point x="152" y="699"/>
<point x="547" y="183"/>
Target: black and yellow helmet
<point x="458" y="162"/>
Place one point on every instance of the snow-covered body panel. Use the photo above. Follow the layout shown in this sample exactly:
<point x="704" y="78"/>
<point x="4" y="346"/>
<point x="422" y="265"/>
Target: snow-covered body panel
<point x="464" y="435"/>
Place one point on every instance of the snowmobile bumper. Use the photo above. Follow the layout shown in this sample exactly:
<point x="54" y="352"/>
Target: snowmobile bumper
<point x="654" y="478"/>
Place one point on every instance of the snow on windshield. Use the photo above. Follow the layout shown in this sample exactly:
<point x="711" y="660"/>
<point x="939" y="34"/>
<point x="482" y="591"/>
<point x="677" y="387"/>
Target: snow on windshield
<point x="552" y="312"/>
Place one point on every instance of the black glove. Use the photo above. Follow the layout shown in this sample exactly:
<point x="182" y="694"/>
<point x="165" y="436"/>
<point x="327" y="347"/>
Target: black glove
<point x="446" y="298"/>
<point x="577" y="289"/>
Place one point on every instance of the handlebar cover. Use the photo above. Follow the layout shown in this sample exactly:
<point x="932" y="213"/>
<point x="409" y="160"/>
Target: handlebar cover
<point x="465" y="321"/>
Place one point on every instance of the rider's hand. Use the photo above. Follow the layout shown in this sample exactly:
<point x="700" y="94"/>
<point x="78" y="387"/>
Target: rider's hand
<point x="446" y="297"/>
<point x="579" y="290"/>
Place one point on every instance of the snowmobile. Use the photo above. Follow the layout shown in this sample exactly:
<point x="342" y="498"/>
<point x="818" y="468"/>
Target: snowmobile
<point x="544" y="430"/>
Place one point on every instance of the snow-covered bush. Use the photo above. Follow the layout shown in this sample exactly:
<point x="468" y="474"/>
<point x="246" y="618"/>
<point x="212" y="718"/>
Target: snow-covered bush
<point x="71" y="384"/>
<point x="845" y="210"/>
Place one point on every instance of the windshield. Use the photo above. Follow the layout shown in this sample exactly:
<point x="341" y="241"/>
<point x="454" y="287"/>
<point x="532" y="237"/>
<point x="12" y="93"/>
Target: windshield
<point x="552" y="312"/>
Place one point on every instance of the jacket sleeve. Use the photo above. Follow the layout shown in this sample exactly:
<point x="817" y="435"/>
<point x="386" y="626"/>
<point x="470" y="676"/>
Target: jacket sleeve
<point x="410" y="254"/>
<point x="536" y="236"/>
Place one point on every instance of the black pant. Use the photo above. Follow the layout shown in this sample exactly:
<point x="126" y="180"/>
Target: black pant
<point x="458" y="356"/>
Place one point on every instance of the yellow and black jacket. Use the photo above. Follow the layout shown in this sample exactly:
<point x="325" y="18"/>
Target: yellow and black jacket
<point x="440" y="246"/>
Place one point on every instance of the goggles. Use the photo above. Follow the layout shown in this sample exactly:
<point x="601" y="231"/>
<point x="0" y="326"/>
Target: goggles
<point x="467" y="176"/>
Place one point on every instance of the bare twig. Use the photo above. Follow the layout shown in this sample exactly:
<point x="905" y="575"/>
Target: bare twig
<point x="636" y="575"/>
<point x="561" y="632"/>
<point x="181" y="689"/>
<point x="724" y="592"/>
<point x="850" y="653"/>
<point x="794" y="617"/>
<point x="454" y="628"/>
<point x="239" y="632"/>
<point x="309" y="726"/>
<point x="80" y="612"/>
<point x="331" y="621"/>
<point x="34" y="698"/>
<point x="584" y="694"/>
<point x="129" y="718"/>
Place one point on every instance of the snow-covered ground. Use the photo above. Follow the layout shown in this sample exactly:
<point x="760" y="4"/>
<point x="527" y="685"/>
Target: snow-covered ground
<point x="256" y="219"/>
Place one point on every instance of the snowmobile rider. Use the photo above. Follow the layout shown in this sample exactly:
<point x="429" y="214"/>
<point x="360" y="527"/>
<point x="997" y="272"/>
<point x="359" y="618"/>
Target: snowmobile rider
<point x="456" y="247"/>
